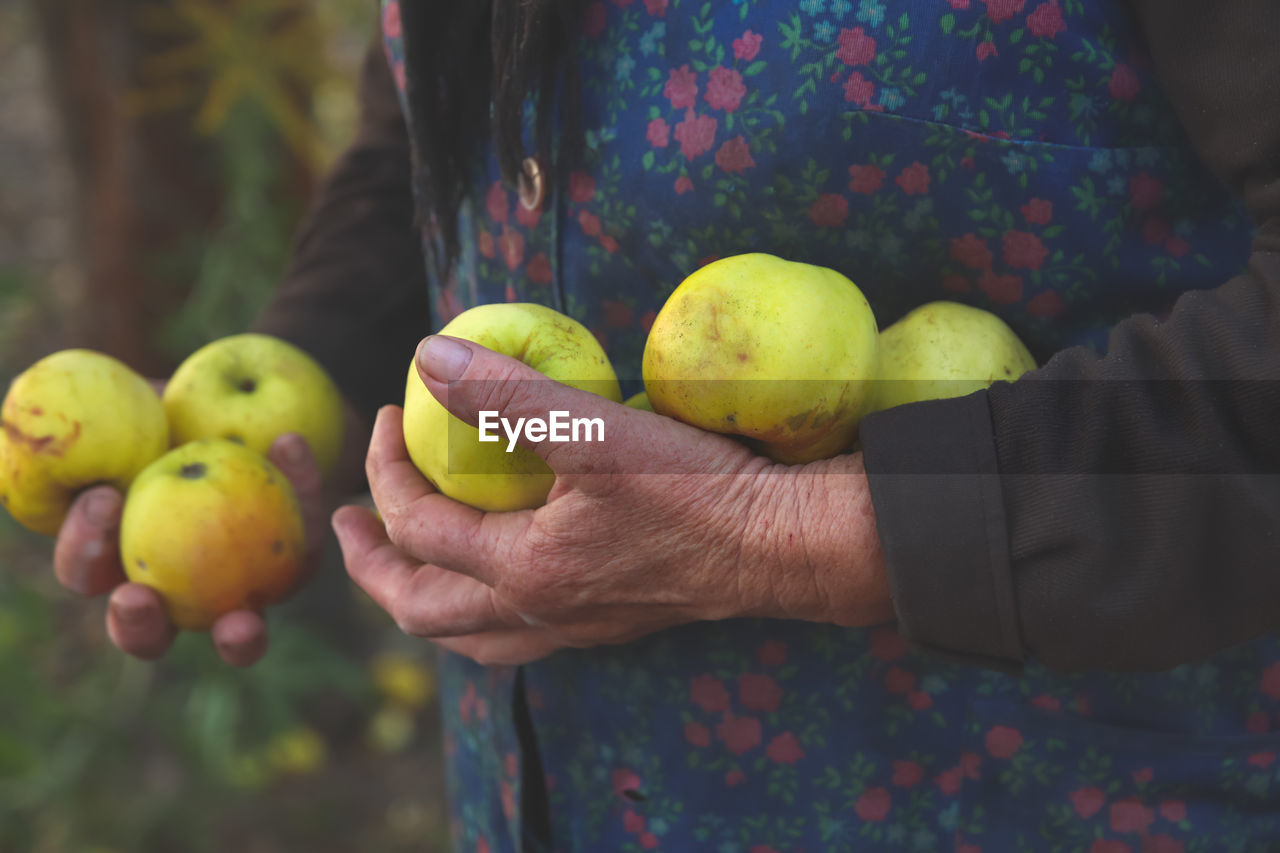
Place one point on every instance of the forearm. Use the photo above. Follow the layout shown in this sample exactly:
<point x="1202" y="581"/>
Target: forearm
<point x="1117" y="511"/>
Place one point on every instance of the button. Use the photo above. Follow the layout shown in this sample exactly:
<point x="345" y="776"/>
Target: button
<point x="530" y="184"/>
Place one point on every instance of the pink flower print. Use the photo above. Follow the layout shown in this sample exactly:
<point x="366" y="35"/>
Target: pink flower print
<point x="683" y="185"/>
<point x="1123" y="85"/>
<point x="1087" y="802"/>
<point x="856" y="47"/>
<point x="708" y="693"/>
<point x="986" y="50"/>
<point x="495" y="202"/>
<point x="748" y="46"/>
<point x="1270" y="684"/>
<point x="735" y="155"/>
<point x="593" y="25"/>
<point x="784" y="749"/>
<point x="865" y="179"/>
<point x="1046" y="21"/>
<point x="539" y="269"/>
<point x="656" y="8"/>
<point x="697" y="734"/>
<point x="914" y="179"/>
<point x="858" y="90"/>
<point x="1023" y="250"/>
<point x="590" y="223"/>
<point x="907" y="774"/>
<point x="696" y="134"/>
<point x="873" y="804"/>
<point x="625" y="781"/>
<point x="582" y="187"/>
<point x="1130" y="816"/>
<point x="725" y="89"/>
<point x="1038" y="211"/>
<point x="829" y="210"/>
<point x="1003" y="741"/>
<point x="759" y="692"/>
<point x="659" y="133"/>
<point x="391" y="20"/>
<point x="1174" y="811"/>
<point x="740" y="734"/>
<point x="681" y="88"/>
<point x="512" y="245"/>
<point x="971" y="251"/>
<point x="1003" y="10"/>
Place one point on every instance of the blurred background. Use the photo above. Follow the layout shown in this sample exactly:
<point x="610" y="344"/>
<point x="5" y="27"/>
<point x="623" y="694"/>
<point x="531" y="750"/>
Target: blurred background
<point x="155" y="157"/>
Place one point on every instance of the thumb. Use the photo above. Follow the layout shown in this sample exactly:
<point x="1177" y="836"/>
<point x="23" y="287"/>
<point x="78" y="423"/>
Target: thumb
<point x="518" y="405"/>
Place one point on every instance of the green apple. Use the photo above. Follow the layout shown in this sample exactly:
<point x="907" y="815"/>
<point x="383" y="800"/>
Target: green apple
<point x="639" y="401"/>
<point x="945" y="349"/>
<point x="780" y="352"/>
<point x="213" y="527"/>
<point x="449" y="452"/>
<point x="252" y="389"/>
<point x="74" y="419"/>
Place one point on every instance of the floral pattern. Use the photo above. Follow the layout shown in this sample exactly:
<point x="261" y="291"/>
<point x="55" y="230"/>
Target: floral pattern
<point x="1017" y="155"/>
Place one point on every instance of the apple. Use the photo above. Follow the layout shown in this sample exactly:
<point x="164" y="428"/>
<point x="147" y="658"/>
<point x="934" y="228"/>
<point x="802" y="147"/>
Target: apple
<point x="449" y="451"/>
<point x="213" y="527"/>
<point x="74" y="419"/>
<point x="639" y="401"/>
<point x="252" y="389"/>
<point x="779" y="352"/>
<point x="945" y="349"/>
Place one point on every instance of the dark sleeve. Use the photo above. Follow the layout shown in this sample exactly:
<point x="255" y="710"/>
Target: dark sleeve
<point x="355" y="295"/>
<point x="1119" y="511"/>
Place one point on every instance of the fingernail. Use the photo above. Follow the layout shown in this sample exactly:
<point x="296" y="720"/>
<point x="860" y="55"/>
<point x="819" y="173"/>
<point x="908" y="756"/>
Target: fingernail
<point x="129" y="612"/>
<point x="443" y="358"/>
<point x="103" y="509"/>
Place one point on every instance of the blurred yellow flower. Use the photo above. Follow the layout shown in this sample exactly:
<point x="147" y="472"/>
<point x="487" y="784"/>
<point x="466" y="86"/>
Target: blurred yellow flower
<point x="403" y="679"/>
<point x="299" y="750"/>
<point x="391" y="729"/>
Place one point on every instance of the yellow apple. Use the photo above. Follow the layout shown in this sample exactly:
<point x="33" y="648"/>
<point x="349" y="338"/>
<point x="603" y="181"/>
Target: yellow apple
<point x="776" y="351"/>
<point x="945" y="349"/>
<point x="252" y="389"/>
<point x="449" y="452"/>
<point x="74" y="419"/>
<point x="213" y="527"/>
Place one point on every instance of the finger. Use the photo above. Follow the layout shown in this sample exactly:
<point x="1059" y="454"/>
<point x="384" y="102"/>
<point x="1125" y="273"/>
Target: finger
<point x="240" y="637"/>
<point x="137" y="621"/>
<point x="468" y="379"/>
<point x="503" y="648"/>
<point x="427" y="525"/>
<point x="424" y="600"/>
<point x="86" y="557"/>
<point x="292" y="455"/>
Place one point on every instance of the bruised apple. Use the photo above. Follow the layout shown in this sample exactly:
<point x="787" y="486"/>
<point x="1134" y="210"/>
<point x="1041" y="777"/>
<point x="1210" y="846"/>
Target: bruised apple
<point x="779" y="352"/>
<point x="213" y="527"/>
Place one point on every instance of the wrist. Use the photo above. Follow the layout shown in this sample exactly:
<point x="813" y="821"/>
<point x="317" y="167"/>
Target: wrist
<point x="821" y="556"/>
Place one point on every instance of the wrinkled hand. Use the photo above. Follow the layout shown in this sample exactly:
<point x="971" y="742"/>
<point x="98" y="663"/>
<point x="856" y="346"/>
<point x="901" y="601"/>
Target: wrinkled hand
<point x="659" y="525"/>
<point x="86" y="559"/>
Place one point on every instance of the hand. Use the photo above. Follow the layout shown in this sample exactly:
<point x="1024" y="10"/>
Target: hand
<point x="659" y="525"/>
<point x="86" y="559"/>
